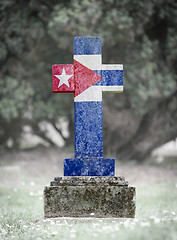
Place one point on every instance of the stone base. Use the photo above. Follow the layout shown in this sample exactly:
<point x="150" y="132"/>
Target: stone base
<point x="106" y="197"/>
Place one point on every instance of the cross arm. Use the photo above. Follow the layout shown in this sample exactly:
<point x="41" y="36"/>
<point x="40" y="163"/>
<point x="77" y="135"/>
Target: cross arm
<point x="63" y="78"/>
<point x="112" y="78"/>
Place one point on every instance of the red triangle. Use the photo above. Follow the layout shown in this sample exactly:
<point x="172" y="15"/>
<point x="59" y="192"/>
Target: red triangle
<point x="84" y="78"/>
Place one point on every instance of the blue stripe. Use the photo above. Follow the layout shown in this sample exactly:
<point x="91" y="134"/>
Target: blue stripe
<point x="88" y="129"/>
<point x="110" y="78"/>
<point x="89" y="167"/>
<point x="87" y="45"/>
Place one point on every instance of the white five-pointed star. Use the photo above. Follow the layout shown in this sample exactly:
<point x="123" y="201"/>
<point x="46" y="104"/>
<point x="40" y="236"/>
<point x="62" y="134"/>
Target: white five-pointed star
<point x="63" y="78"/>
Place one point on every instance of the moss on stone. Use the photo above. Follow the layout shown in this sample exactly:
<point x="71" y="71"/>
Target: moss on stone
<point x="104" y="200"/>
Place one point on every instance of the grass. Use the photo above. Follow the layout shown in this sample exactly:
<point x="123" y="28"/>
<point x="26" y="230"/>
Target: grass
<point x="21" y="216"/>
<point x="21" y="202"/>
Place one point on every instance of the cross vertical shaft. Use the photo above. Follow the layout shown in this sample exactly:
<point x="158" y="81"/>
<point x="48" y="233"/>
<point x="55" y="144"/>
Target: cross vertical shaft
<point x="88" y="130"/>
<point x="88" y="105"/>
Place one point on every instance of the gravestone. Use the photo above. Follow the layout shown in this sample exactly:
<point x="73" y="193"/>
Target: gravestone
<point x="89" y="187"/>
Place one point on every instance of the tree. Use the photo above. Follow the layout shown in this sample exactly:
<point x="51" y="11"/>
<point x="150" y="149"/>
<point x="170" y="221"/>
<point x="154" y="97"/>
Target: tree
<point x="26" y="55"/>
<point x="141" y="35"/>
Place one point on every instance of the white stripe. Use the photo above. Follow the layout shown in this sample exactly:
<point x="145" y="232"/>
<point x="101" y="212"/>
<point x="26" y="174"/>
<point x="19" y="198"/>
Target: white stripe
<point x="93" y="93"/>
<point x="112" y="88"/>
<point x="91" y="61"/>
<point x="112" y="67"/>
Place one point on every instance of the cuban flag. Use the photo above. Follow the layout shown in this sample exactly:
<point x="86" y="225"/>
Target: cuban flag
<point x="87" y="78"/>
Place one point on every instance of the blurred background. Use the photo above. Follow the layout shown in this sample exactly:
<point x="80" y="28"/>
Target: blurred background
<point x="37" y="126"/>
<point x="139" y="34"/>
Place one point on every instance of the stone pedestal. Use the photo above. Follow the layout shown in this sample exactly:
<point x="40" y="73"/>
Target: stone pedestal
<point x="89" y="197"/>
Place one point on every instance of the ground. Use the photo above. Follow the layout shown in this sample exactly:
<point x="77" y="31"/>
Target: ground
<point x="24" y="174"/>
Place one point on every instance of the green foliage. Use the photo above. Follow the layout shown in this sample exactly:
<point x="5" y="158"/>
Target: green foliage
<point x="36" y="34"/>
<point x="15" y="96"/>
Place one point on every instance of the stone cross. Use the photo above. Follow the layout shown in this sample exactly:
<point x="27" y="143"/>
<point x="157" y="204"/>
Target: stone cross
<point x="87" y="78"/>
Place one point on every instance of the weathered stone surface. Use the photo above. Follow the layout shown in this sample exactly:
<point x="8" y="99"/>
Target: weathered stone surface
<point x="88" y="180"/>
<point x="92" y="197"/>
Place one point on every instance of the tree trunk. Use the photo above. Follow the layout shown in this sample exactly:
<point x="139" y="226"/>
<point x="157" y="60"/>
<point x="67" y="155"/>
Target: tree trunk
<point x="139" y="136"/>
